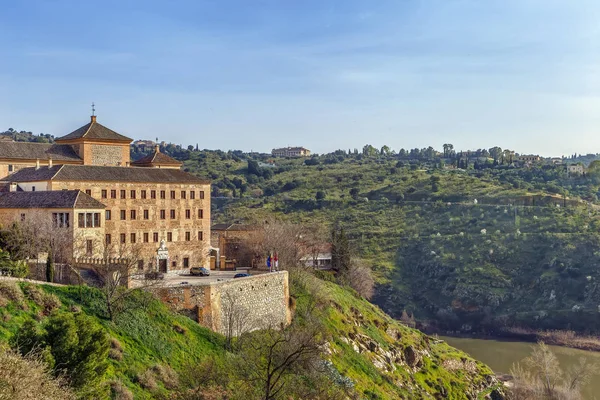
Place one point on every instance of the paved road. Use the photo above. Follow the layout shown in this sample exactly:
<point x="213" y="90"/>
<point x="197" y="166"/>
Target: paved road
<point x="215" y="276"/>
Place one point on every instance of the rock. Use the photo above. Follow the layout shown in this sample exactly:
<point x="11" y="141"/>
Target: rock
<point x="372" y="346"/>
<point x="413" y="359"/>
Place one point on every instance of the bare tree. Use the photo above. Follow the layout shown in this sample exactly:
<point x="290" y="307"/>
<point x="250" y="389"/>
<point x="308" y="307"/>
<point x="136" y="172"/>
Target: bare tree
<point x="40" y="233"/>
<point x="236" y="319"/>
<point x="269" y="357"/>
<point x="544" y="364"/>
<point x="360" y="278"/>
<point x="540" y="377"/>
<point x="120" y="273"/>
<point x="291" y="242"/>
<point x="580" y="374"/>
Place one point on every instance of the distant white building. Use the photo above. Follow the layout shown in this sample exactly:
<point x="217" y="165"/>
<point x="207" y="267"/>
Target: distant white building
<point x="575" y="169"/>
<point x="291" y="152"/>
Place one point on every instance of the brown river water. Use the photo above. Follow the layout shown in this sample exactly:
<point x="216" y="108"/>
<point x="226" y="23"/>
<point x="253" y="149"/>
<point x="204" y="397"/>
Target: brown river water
<point x="500" y="356"/>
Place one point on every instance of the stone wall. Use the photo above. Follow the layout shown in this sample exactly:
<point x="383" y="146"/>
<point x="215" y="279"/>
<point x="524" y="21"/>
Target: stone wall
<point x="106" y="155"/>
<point x="237" y="305"/>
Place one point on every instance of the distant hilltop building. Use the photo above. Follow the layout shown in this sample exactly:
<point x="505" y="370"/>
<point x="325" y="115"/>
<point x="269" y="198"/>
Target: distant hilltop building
<point x="143" y="145"/>
<point x="529" y="158"/>
<point x="291" y="152"/>
<point x="576" y="169"/>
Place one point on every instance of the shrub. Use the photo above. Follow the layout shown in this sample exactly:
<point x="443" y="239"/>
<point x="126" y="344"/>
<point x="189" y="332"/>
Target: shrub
<point x="119" y="391"/>
<point x="29" y="378"/>
<point x="11" y="291"/>
<point x="147" y="380"/>
<point x="47" y="301"/>
<point x="116" y="351"/>
<point x="166" y="375"/>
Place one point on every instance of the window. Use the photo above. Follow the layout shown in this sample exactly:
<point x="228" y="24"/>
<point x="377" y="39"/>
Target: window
<point x="132" y="236"/>
<point x="172" y="214"/>
<point x="108" y="238"/>
<point x="10" y="168"/>
<point x="183" y="194"/>
<point x="169" y="236"/>
<point x="123" y="238"/>
<point x="200" y="213"/>
<point x="60" y="220"/>
<point x="172" y="194"/>
<point x="163" y="214"/>
<point x="188" y="236"/>
<point x="186" y="262"/>
<point x="200" y="235"/>
<point x="123" y="192"/>
<point x="88" y="192"/>
<point x="132" y="214"/>
<point x="140" y="264"/>
<point x="146" y="214"/>
<point x="163" y="194"/>
<point x="104" y="193"/>
<point x="155" y="237"/>
<point x="143" y="194"/>
<point x="188" y="214"/>
<point x="192" y="195"/>
<point x="202" y="194"/>
<point x="132" y="194"/>
<point x="33" y="188"/>
<point x="22" y="217"/>
<point x="113" y="194"/>
<point x="146" y="237"/>
<point x="89" y="247"/>
<point x="153" y="194"/>
<point x="107" y="215"/>
<point x="123" y="214"/>
<point x="174" y="263"/>
<point x="88" y="220"/>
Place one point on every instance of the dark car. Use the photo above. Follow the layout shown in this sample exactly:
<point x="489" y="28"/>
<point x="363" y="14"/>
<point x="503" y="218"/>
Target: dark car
<point x="154" y="275"/>
<point x="242" y="275"/>
<point x="200" y="271"/>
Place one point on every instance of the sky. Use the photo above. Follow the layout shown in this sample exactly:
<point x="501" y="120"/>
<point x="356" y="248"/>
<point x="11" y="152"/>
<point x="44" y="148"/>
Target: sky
<point x="323" y="74"/>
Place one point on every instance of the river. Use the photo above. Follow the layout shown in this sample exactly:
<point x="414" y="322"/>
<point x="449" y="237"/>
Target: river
<point x="500" y="356"/>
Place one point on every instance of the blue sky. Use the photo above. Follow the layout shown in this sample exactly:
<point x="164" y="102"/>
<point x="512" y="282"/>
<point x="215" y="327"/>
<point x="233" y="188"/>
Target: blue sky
<point x="252" y="75"/>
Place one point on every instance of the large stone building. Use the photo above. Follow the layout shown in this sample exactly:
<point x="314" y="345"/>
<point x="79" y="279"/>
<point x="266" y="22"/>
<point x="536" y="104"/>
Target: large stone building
<point x="290" y="152"/>
<point x="109" y="206"/>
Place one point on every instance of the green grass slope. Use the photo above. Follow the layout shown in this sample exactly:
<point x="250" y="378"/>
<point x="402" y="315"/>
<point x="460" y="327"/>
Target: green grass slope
<point x="371" y="355"/>
<point x="149" y="336"/>
<point x="385" y="359"/>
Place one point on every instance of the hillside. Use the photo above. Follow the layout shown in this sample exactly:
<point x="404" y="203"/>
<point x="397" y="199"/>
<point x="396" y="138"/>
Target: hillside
<point x="471" y="250"/>
<point x="155" y="353"/>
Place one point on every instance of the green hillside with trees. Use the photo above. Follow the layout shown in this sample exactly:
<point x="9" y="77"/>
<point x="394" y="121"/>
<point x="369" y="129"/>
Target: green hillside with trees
<point x="483" y="248"/>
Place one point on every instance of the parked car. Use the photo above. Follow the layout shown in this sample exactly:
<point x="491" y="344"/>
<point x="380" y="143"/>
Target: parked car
<point x="200" y="271"/>
<point x="242" y="275"/>
<point x="154" y="275"/>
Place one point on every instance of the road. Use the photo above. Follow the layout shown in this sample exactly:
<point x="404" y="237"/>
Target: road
<point x="215" y="276"/>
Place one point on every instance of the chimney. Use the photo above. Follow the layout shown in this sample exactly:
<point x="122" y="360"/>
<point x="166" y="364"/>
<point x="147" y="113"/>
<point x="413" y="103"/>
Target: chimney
<point x="13" y="187"/>
<point x="93" y="119"/>
<point x="50" y="163"/>
<point x="127" y="163"/>
<point x="157" y="148"/>
<point x="37" y="163"/>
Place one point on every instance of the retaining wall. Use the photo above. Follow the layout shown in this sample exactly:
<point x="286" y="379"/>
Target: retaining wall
<point x="237" y="305"/>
